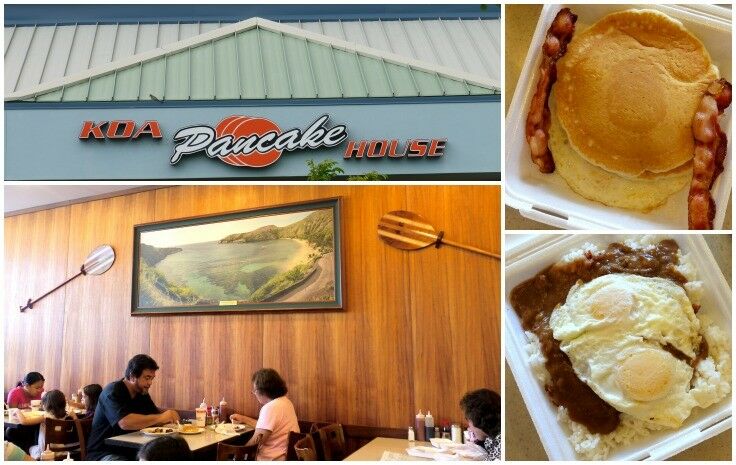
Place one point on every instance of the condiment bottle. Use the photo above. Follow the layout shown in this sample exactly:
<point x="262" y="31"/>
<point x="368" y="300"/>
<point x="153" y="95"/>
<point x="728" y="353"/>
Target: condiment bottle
<point x="457" y="433"/>
<point x="201" y="414"/>
<point x="419" y="426"/>
<point x="48" y="454"/>
<point x="411" y="434"/>
<point x="429" y="426"/>
<point x="223" y="411"/>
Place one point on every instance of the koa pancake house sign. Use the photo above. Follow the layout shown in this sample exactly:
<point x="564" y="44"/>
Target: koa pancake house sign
<point x="255" y="142"/>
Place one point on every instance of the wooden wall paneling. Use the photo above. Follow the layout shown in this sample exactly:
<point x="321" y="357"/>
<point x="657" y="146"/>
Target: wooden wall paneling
<point x="300" y="345"/>
<point x="346" y="365"/>
<point x="453" y="292"/>
<point x="204" y="356"/>
<point x="383" y="330"/>
<point x="35" y="263"/>
<point x="99" y="334"/>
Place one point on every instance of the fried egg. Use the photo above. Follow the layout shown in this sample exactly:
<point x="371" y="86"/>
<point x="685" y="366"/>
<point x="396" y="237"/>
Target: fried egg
<point x="620" y="332"/>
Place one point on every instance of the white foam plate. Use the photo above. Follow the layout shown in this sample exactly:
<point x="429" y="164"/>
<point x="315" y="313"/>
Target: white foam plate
<point x="525" y="260"/>
<point x="546" y="197"/>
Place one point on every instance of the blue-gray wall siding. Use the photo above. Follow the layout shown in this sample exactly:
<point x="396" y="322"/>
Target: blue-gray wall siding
<point x="43" y="144"/>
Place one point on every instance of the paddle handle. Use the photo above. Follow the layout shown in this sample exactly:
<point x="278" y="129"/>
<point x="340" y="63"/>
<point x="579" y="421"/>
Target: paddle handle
<point x="469" y="248"/>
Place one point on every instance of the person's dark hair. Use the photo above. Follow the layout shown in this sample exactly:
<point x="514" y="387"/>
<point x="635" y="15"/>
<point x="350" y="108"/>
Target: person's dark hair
<point x="31" y="378"/>
<point x="165" y="448"/>
<point x="137" y="364"/>
<point x="269" y="383"/>
<point x="92" y="391"/>
<point x="483" y="408"/>
<point x="54" y="402"/>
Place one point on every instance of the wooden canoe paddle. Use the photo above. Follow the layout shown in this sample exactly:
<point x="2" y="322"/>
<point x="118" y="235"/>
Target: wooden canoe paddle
<point x="409" y="231"/>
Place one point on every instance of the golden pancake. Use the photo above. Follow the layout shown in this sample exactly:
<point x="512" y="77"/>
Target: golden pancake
<point x="627" y="91"/>
<point x="594" y="183"/>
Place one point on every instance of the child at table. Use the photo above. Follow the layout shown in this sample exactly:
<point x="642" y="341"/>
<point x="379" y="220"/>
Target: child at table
<point x="90" y="396"/>
<point x="54" y="406"/>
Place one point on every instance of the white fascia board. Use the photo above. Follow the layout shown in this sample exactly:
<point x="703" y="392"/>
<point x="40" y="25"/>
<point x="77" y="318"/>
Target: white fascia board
<point x="243" y="26"/>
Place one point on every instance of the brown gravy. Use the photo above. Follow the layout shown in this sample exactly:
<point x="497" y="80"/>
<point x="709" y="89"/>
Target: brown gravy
<point x="534" y="300"/>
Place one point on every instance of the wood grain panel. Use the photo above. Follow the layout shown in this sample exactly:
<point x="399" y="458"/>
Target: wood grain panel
<point x="35" y="263"/>
<point x="455" y="298"/>
<point x="99" y="334"/>
<point x="418" y="330"/>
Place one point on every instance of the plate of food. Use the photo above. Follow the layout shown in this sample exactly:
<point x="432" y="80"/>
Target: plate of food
<point x="190" y="429"/>
<point x="158" y="431"/>
<point x="621" y="343"/>
<point x="230" y="428"/>
<point x="620" y="118"/>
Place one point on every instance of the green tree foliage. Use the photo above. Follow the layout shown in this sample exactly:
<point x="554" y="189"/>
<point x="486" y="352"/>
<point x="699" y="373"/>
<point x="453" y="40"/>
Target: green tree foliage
<point x="369" y="176"/>
<point x="327" y="170"/>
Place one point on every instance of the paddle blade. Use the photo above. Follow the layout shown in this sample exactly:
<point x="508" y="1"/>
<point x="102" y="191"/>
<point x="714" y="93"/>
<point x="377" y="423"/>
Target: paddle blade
<point x="406" y="230"/>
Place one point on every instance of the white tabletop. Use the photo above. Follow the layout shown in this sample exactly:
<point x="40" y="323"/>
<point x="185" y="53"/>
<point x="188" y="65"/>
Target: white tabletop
<point x="195" y="441"/>
<point x="8" y="420"/>
<point x="375" y="449"/>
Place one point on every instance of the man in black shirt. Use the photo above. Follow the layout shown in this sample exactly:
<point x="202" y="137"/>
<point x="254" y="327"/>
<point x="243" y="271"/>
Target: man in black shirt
<point x="125" y="406"/>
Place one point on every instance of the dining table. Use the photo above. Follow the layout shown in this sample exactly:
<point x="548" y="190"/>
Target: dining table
<point x="387" y="449"/>
<point x="13" y="420"/>
<point x="197" y="442"/>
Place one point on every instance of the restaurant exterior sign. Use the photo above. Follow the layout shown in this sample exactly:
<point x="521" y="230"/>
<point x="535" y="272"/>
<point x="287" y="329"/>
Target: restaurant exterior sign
<point x="427" y="139"/>
<point x="256" y="142"/>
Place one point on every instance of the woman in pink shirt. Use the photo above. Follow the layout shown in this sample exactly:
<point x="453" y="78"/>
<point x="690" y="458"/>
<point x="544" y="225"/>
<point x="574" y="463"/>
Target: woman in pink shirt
<point x="30" y="388"/>
<point x="276" y="419"/>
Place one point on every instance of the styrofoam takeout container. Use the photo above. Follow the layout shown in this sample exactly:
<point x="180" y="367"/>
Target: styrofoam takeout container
<point x="526" y="259"/>
<point x="546" y="197"/>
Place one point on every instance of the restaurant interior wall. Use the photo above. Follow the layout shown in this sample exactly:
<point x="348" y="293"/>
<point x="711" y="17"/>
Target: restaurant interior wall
<point x="418" y="330"/>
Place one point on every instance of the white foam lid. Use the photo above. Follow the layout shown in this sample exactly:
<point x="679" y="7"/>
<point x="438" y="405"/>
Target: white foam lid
<point x="546" y="197"/>
<point x="528" y="257"/>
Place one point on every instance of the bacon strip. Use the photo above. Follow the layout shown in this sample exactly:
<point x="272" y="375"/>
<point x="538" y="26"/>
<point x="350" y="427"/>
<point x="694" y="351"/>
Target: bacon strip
<point x="539" y="119"/>
<point x="710" y="152"/>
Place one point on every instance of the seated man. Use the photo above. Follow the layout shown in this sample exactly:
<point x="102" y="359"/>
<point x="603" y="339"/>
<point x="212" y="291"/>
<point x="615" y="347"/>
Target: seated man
<point x="125" y="406"/>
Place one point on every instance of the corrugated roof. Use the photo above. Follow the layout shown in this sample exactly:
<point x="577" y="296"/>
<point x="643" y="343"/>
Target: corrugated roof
<point x="41" y="54"/>
<point x="473" y="46"/>
<point x="248" y="60"/>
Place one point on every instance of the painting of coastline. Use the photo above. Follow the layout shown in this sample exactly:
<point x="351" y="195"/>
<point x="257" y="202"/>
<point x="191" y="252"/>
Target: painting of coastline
<point x="267" y="261"/>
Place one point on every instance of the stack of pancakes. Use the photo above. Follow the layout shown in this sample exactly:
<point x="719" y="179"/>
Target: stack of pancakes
<point x="623" y="106"/>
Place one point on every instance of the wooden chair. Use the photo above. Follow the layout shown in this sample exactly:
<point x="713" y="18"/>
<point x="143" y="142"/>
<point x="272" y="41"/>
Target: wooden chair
<point x="293" y="439"/>
<point x="332" y="438"/>
<point x="227" y="451"/>
<point x="84" y="427"/>
<point x="305" y="449"/>
<point x="313" y="431"/>
<point x="62" y="436"/>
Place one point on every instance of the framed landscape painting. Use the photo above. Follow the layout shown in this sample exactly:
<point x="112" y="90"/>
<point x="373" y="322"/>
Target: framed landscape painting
<point x="285" y="257"/>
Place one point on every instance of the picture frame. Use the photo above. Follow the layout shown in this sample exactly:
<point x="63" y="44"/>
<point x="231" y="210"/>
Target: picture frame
<point x="278" y="258"/>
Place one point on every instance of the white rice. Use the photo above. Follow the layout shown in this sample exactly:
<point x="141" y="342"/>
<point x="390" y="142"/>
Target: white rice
<point x="712" y="381"/>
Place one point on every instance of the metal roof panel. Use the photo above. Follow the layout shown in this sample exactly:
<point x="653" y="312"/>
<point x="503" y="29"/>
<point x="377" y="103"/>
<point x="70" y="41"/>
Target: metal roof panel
<point x="255" y="59"/>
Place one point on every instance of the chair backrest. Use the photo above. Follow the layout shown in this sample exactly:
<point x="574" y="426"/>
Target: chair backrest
<point x="84" y="427"/>
<point x="305" y="449"/>
<point x="61" y="435"/>
<point x="232" y="452"/>
<point x="293" y="438"/>
<point x="313" y="431"/>
<point x="332" y="438"/>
